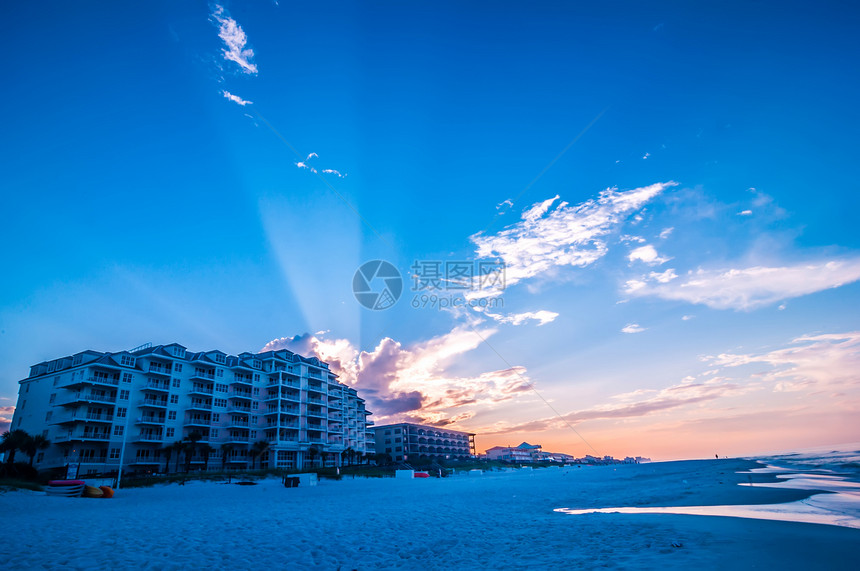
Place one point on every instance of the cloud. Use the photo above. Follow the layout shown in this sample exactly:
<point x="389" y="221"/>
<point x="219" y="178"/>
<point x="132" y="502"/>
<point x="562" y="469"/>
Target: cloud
<point x="632" y="328"/>
<point x="810" y="361"/>
<point x="749" y="288"/>
<point x="548" y="237"/>
<point x="6" y="413"/>
<point x="236" y="99"/>
<point x="688" y="317"/>
<point x="305" y="164"/>
<point x="543" y="317"/>
<point x="505" y="203"/>
<point x="677" y="396"/>
<point x="666" y="232"/>
<point x="401" y="383"/>
<point x="647" y="254"/>
<point x="235" y="40"/>
<point x="646" y="155"/>
<point x="745" y="213"/>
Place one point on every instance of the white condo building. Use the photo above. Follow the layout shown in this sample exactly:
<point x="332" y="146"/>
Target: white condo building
<point x="406" y="441"/>
<point x="100" y="410"/>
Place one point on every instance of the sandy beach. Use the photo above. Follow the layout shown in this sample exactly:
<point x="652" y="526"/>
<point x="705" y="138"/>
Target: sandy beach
<point x="500" y="520"/>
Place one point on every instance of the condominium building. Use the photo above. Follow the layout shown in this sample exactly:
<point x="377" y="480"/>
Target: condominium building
<point x="525" y="452"/>
<point x="271" y="409"/>
<point x="406" y="441"/>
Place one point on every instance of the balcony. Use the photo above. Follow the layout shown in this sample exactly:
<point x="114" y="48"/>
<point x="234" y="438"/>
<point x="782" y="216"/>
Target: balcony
<point x="200" y="405"/>
<point x="197" y="421"/>
<point x="156" y="386"/>
<point x="97" y="380"/>
<point x="155" y="369"/>
<point x="315" y="400"/>
<point x="154" y="403"/>
<point x="83" y="436"/>
<point x="241" y="381"/>
<point x="200" y="374"/>
<point x="150" y="420"/>
<point x="85" y="417"/>
<point x="150" y="437"/>
<point x="240" y="395"/>
<point x="238" y="423"/>
<point x="316" y="413"/>
<point x="317" y="389"/>
<point x="89" y="397"/>
<point x="238" y="440"/>
<point x="199" y="389"/>
<point x="235" y="408"/>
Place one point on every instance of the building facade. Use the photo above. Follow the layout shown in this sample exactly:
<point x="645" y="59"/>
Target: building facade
<point x="525" y="452"/>
<point x="406" y="441"/>
<point x="130" y="408"/>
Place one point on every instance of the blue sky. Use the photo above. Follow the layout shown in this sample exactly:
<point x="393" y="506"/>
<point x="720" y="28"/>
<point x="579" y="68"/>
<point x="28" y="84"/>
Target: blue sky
<point x="693" y="286"/>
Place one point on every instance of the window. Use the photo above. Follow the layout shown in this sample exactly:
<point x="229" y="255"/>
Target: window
<point x="123" y="395"/>
<point x="388" y="441"/>
<point x="120" y="412"/>
<point x="78" y="359"/>
<point x="117" y="430"/>
<point x="45" y="433"/>
<point x="40" y="457"/>
<point x="127" y="377"/>
<point x="399" y="448"/>
<point x="53" y="398"/>
<point x="171" y="415"/>
<point x="213" y="433"/>
<point x="56" y="380"/>
<point x="216" y="417"/>
<point x="219" y="358"/>
<point x="48" y="416"/>
<point x="257" y="378"/>
<point x="177" y="367"/>
<point x="23" y="404"/>
<point x="170" y="432"/>
<point x="220" y="388"/>
<point x="256" y="391"/>
<point x="219" y="372"/>
<point x="175" y="383"/>
<point x="387" y="432"/>
<point x="220" y="402"/>
<point x="126" y="361"/>
<point x="398" y="439"/>
<point x="388" y="450"/>
<point x="256" y="364"/>
<point x="178" y="352"/>
<point x="114" y="453"/>
<point x="174" y="399"/>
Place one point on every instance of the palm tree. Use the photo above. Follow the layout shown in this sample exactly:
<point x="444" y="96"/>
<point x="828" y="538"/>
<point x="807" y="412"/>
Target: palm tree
<point x="226" y="450"/>
<point x="190" y="448"/>
<point x="168" y="452"/>
<point x="258" y="449"/>
<point x="12" y="442"/>
<point x="32" y="445"/>
<point x="206" y="450"/>
<point x="178" y="447"/>
<point x="312" y="453"/>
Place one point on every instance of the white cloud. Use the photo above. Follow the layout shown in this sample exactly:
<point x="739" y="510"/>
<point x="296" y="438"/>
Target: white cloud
<point x="745" y="213"/>
<point x="542" y="317"/>
<point x="809" y="362"/>
<point x="334" y="172"/>
<point x="235" y="40"/>
<point x="646" y="155"/>
<point x="664" y="277"/>
<point x="688" y="317"/>
<point x="632" y="328"/>
<point x="666" y="232"/>
<point x="749" y="288"/>
<point x="564" y="235"/>
<point x="411" y="383"/>
<point x="505" y="203"/>
<point x="236" y="99"/>
<point x="647" y="254"/>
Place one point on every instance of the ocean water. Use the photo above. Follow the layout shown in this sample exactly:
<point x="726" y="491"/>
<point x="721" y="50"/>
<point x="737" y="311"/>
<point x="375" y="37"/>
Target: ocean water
<point x="833" y="471"/>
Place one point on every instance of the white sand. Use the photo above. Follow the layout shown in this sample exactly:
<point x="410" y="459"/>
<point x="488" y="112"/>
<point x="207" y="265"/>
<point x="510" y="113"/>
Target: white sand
<point x="493" y="521"/>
